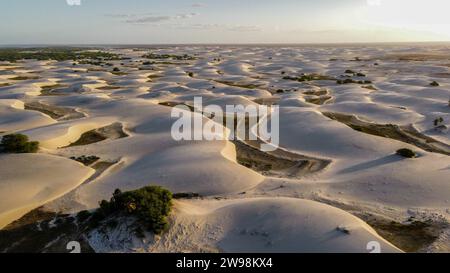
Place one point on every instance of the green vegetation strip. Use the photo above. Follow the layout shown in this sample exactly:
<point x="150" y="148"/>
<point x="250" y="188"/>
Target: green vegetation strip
<point x="57" y="54"/>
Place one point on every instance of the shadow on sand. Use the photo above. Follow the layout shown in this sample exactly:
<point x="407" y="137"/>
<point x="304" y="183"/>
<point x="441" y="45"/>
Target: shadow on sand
<point x="372" y="164"/>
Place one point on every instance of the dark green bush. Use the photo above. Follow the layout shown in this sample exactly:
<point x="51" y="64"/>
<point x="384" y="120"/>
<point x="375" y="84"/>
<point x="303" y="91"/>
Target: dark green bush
<point x="151" y="205"/>
<point x="438" y="121"/>
<point x="308" y="77"/>
<point x="86" y="160"/>
<point x="184" y="57"/>
<point x="83" y="215"/>
<point x="406" y="153"/>
<point x="350" y="81"/>
<point x="434" y="83"/>
<point x="186" y="195"/>
<point x="18" y="143"/>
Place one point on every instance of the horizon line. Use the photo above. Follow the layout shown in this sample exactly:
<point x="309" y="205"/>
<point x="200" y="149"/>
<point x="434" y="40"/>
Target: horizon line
<point x="220" y="44"/>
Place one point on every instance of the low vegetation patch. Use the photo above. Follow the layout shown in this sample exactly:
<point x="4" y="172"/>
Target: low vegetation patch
<point x="186" y="195"/>
<point x="352" y="81"/>
<point x="412" y="236"/>
<point x="434" y="83"/>
<point x="39" y="231"/>
<point x="438" y="121"/>
<point x="89" y="137"/>
<point x="408" y="153"/>
<point x="57" y="54"/>
<point x="308" y="77"/>
<point x="151" y="205"/>
<point x="316" y="92"/>
<point x="370" y="87"/>
<point x="18" y="143"/>
<point x="24" y="78"/>
<point x="86" y="160"/>
<point x="48" y="90"/>
<point x="406" y="134"/>
<point x="108" y="87"/>
<point x="184" y="57"/>
<point x="343" y="230"/>
<point x="357" y="74"/>
<point x="320" y="100"/>
<point x="240" y="85"/>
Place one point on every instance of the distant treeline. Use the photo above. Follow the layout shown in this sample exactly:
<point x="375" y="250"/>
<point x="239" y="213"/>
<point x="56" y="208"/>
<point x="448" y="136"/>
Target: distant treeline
<point x="57" y="54"/>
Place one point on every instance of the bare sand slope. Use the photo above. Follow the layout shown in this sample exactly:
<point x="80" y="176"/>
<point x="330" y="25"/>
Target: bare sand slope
<point x="13" y="117"/>
<point x="41" y="179"/>
<point x="64" y="133"/>
<point x="257" y="225"/>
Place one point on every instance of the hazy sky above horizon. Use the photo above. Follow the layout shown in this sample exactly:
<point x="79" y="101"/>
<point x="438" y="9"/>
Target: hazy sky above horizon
<point x="222" y="21"/>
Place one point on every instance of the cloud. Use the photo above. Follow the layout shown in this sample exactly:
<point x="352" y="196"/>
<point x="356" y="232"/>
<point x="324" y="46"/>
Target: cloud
<point x="149" y="19"/>
<point x="127" y="15"/>
<point x="240" y="28"/>
<point x="153" y="18"/>
<point x="198" y="5"/>
<point x="235" y="28"/>
<point x="73" y="2"/>
<point x="185" y="15"/>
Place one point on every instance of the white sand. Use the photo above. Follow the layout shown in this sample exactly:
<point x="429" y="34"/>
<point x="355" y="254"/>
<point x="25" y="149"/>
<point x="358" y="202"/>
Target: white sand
<point x="31" y="180"/>
<point x="259" y="225"/>
<point x="364" y="175"/>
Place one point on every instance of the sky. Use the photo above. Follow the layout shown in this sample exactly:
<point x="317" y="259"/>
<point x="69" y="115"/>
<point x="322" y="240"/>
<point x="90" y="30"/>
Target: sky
<point x="222" y="21"/>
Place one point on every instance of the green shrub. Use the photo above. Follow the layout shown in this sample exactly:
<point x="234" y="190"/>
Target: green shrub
<point x="18" y="143"/>
<point x="406" y="153"/>
<point x="83" y="215"/>
<point x="184" y="57"/>
<point x="86" y="160"/>
<point x="308" y="77"/>
<point x="151" y="205"/>
<point x="186" y="195"/>
<point x="116" y="69"/>
<point x="350" y="81"/>
<point x="434" y="83"/>
<point x="438" y="121"/>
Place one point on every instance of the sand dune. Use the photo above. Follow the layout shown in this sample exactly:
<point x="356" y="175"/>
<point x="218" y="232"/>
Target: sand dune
<point x="41" y="179"/>
<point x="259" y="225"/>
<point x="242" y="210"/>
